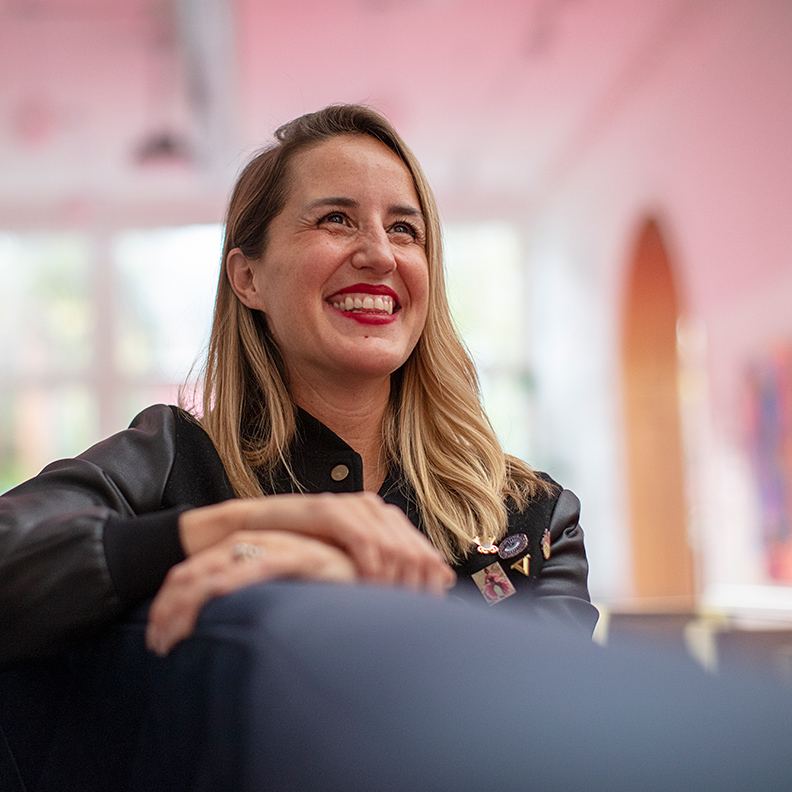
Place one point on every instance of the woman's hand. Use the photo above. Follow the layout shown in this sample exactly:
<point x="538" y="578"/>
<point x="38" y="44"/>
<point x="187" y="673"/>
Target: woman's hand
<point x="324" y="537"/>
<point x="382" y="543"/>
<point x="237" y="561"/>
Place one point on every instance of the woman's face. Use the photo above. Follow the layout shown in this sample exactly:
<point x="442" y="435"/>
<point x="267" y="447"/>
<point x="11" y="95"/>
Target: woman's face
<point x="344" y="279"/>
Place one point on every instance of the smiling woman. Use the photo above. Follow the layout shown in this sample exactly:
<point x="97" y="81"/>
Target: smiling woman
<point x="343" y="280"/>
<point x="341" y="436"/>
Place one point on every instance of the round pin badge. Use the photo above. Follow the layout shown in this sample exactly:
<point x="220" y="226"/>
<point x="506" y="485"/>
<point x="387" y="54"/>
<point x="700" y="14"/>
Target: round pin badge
<point x="512" y="545"/>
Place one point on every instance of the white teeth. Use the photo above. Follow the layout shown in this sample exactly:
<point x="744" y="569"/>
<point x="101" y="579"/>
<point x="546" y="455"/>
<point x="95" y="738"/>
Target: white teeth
<point x="379" y="303"/>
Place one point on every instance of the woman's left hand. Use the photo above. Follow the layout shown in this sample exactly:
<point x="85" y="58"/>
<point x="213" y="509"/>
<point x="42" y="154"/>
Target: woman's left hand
<point x="240" y="560"/>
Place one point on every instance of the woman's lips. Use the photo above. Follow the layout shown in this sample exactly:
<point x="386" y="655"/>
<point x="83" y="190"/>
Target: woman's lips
<point x="369" y="318"/>
<point x="366" y="303"/>
<point x="368" y="288"/>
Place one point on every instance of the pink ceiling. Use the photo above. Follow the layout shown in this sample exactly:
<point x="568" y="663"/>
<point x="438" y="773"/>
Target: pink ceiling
<point x="492" y="94"/>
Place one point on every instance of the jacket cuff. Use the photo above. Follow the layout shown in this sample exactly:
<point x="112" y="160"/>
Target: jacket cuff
<point x="141" y="550"/>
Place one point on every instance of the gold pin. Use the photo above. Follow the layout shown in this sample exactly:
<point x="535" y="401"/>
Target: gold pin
<point x="488" y="548"/>
<point x="523" y="565"/>
<point x="546" y="544"/>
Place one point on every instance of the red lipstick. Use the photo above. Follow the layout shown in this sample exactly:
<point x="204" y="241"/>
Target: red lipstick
<point x="368" y="288"/>
<point x="370" y="318"/>
<point x="367" y="316"/>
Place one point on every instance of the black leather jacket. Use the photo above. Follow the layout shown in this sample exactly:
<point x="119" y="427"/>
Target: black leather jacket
<point x="92" y="536"/>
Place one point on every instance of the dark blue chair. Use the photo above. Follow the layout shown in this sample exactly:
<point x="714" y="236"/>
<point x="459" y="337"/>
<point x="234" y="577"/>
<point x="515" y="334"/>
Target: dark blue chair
<point x="309" y="687"/>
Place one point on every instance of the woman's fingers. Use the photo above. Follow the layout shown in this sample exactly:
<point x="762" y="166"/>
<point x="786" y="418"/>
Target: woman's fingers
<point x="238" y="561"/>
<point x="414" y="561"/>
<point x="382" y="542"/>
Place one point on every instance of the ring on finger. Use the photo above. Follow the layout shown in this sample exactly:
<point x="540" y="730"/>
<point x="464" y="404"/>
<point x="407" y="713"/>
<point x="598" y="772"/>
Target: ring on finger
<point x="244" y="551"/>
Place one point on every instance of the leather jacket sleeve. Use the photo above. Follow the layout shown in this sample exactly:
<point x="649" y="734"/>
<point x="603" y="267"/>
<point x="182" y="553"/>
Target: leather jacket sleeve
<point x="69" y="537"/>
<point x="562" y="590"/>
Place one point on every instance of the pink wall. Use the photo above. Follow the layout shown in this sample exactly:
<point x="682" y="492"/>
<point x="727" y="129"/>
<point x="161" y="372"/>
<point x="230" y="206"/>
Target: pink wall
<point x="700" y="138"/>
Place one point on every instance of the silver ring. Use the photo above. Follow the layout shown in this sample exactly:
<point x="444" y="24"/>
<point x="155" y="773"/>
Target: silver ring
<point x="244" y="551"/>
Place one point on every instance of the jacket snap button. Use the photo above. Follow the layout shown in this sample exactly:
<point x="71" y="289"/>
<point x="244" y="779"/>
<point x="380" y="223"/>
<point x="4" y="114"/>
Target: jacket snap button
<point x="339" y="472"/>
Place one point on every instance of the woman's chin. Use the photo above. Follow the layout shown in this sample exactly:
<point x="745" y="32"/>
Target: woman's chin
<point x="373" y="360"/>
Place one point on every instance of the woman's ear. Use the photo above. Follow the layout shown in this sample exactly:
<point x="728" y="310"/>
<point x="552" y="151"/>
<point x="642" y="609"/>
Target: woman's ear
<point x="242" y="277"/>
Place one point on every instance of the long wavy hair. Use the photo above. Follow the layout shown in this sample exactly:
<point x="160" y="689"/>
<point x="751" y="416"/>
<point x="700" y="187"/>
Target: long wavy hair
<point x="434" y="427"/>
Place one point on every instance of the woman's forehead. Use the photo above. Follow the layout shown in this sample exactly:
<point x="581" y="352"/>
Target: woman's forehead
<point x="349" y="164"/>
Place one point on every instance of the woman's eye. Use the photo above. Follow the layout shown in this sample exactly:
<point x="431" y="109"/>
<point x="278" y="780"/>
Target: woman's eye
<point x="404" y="228"/>
<point x="334" y="217"/>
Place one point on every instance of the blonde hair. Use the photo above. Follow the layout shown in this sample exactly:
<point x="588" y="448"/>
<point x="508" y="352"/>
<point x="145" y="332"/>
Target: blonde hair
<point x="434" y="427"/>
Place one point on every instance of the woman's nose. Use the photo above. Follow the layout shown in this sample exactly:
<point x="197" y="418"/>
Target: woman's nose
<point x="374" y="251"/>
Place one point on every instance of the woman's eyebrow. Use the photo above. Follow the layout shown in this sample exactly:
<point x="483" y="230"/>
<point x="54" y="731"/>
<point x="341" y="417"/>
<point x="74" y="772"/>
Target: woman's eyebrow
<point x="333" y="200"/>
<point x="411" y="211"/>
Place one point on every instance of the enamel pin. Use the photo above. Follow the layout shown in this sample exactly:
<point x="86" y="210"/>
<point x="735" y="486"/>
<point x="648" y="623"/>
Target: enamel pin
<point x="523" y="565"/>
<point x="493" y="583"/>
<point x="512" y="545"/>
<point x="546" y="544"/>
<point x="487" y="548"/>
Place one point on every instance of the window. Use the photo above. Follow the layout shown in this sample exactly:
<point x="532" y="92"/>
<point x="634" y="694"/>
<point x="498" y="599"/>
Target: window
<point x="46" y="325"/>
<point x="486" y="287"/>
<point x="91" y="332"/>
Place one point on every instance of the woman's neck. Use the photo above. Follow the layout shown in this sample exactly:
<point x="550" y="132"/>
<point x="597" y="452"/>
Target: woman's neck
<point x="355" y="415"/>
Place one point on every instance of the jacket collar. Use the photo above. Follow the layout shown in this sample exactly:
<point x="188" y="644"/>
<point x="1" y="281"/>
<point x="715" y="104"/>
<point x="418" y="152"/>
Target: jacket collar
<point x="322" y="462"/>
